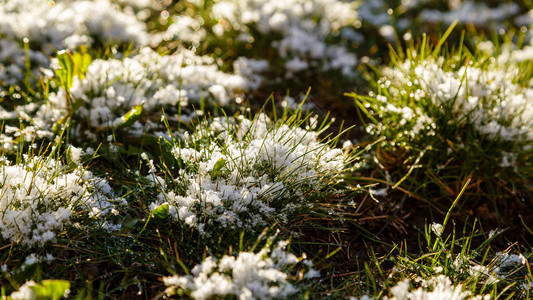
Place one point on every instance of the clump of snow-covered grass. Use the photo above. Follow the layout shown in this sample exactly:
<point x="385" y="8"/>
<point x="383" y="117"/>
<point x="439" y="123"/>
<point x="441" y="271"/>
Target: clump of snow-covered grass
<point x="472" y="12"/>
<point x="56" y="25"/>
<point x="46" y="27"/>
<point x="40" y="195"/>
<point x="453" y="267"/>
<point x="437" y="287"/>
<point x="266" y="274"/>
<point x="101" y="96"/>
<point x="239" y="172"/>
<point x="303" y="34"/>
<point x="417" y="94"/>
<point x="455" y="114"/>
<point x="392" y="19"/>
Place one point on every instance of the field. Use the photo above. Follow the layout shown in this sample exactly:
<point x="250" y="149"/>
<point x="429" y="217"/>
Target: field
<point x="266" y="149"/>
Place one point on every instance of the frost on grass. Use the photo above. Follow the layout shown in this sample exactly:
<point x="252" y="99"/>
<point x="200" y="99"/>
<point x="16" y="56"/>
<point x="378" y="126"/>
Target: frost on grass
<point x="39" y="197"/>
<point x="472" y="12"/>
<point x="48" y="26"/>
<point x="249" y="275"/>
<point x="239" y="173"/>
<point x="304" y="34"/>
<point x="437" y="287"/>
<point x="101" y="97"/>
<point x="452" y="280"/>
<point x="456" y="281"/>
<point x="418" y="97"/>
<point x="419" y="16"/>
<point x="452" y="270"/>
<point x="68" y="23"/>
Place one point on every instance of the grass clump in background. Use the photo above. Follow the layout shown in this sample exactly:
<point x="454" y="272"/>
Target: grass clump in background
<point x="448" y="116"/>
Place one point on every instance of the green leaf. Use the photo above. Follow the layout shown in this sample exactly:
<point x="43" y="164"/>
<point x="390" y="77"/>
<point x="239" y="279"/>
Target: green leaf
<point x="66" y="72"/>
<point x="81" y="63"/>
<point x="161" y="211"/>
<point x="130" y="117"/>
<point x="72" y="65"/>
<point x="445" y="36"/>
<point x="51" y="289"/>
<point x="218" y="166"/>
